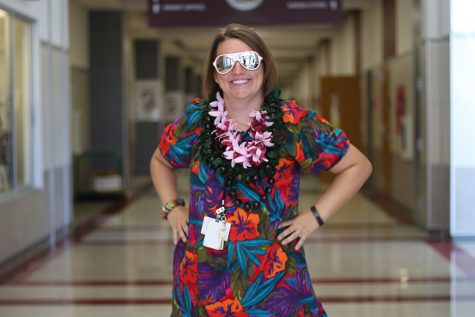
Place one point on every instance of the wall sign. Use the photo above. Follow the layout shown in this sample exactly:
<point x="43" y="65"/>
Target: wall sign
<point x="186" y="13"/>
<point x="244" y="5"/>
<point x="148" y="100"/>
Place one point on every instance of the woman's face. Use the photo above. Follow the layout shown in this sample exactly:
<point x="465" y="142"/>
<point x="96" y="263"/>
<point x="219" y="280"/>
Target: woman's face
<point x="239" y="83"/>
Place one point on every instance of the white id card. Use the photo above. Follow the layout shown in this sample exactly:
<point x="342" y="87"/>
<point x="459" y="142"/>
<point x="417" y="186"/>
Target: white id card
<point x="216" y="232"/>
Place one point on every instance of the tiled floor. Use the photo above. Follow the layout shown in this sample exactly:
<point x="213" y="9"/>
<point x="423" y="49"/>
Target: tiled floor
<point x="362" y="263"/>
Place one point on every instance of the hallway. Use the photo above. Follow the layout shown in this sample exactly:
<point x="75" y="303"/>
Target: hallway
<point x="364" y="262"/>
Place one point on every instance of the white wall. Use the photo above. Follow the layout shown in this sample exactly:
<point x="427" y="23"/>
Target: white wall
<point x="45" y="13"/>
<point x="34" y="215"/>
<point x="462" y="113"/>
<point x="324" y="59"/>
<point x="372" y="36"/>
<point x="79" y="61"/>
<point x="405" y="16"/>
<point x="304" y="85"/>
<point x="79" y="46"/>
<point x="335" y="57"/>
<point x="343" y="49"/>
<point x="317" y="73"/>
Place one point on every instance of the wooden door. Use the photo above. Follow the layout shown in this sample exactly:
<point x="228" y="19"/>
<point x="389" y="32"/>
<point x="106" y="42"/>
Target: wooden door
<point x="341" y="103"/>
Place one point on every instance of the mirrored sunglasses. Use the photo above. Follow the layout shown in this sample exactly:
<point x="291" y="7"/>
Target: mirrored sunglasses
<point x="250" y="60"/>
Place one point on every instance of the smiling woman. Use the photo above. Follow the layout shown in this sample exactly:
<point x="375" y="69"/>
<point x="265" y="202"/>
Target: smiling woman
<point x="239" y="243"/>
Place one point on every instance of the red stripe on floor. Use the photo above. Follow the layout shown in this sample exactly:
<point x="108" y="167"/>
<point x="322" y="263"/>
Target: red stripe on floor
<point x="23" y="269"/>
<point x="32" y="263"/>
<point x="329" y="226"/>
<point x="375" y="239"/>
<point x="462" y="260"/>
<point x="163" y="301"/>
<point x="348" y="280"/>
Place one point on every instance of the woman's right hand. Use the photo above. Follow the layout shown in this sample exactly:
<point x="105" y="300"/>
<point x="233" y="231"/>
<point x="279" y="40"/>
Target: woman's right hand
<point x="178" y="220"/>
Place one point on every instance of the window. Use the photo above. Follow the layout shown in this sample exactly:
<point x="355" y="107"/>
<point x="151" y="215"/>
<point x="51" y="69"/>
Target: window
<point x="15" y="103"/>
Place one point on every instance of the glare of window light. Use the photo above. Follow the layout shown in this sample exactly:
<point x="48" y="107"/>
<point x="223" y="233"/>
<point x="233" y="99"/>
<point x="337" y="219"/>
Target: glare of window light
<point x="404" y="277"/>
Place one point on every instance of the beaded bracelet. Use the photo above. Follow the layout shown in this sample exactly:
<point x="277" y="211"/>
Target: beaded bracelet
<point x="170" y="205"/>
<point x="317" y="216"/>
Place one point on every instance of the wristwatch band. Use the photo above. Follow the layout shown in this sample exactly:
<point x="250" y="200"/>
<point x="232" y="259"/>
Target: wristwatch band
<point x="317" y="216"/>
<point x="171" y="204"/>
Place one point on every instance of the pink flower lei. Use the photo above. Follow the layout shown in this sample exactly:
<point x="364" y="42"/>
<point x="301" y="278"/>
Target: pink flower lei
<point x="248" y="154"/>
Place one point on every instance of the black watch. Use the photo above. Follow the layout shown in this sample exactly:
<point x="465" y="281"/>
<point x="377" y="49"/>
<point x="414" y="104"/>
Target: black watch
<point x="317" y="216"/>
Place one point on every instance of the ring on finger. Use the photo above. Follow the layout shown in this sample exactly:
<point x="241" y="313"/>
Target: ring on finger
<point x="299" y="235"/>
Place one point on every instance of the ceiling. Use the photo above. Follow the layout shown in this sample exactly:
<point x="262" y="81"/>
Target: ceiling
<point x="290" y="45"/>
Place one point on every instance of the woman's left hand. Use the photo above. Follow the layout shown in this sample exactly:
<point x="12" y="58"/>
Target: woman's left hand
<point x="298" y="228"/>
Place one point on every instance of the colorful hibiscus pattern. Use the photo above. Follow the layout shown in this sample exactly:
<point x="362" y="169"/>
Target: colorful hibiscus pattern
<point x="254" y="275"/>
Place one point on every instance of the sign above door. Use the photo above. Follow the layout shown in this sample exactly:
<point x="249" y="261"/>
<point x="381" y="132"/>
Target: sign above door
<point x="206" y="13"/>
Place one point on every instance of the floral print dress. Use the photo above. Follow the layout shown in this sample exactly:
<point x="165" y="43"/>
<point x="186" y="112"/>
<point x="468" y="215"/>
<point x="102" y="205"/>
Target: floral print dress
<point x="254" y="275"/>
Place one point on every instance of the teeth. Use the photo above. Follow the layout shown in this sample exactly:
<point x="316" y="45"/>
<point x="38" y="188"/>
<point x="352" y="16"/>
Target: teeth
<point x="240" y="81"/>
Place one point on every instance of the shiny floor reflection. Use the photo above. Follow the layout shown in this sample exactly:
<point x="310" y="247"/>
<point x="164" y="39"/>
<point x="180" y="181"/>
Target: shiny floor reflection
<point x="364" y="262"/>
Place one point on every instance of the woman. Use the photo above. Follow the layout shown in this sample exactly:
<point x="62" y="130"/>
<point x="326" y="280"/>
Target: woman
<point x="239" y="243"/>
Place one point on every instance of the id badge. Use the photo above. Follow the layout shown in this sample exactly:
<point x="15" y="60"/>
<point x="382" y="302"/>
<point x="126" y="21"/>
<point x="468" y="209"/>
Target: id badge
<point x="216" y="232"/>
